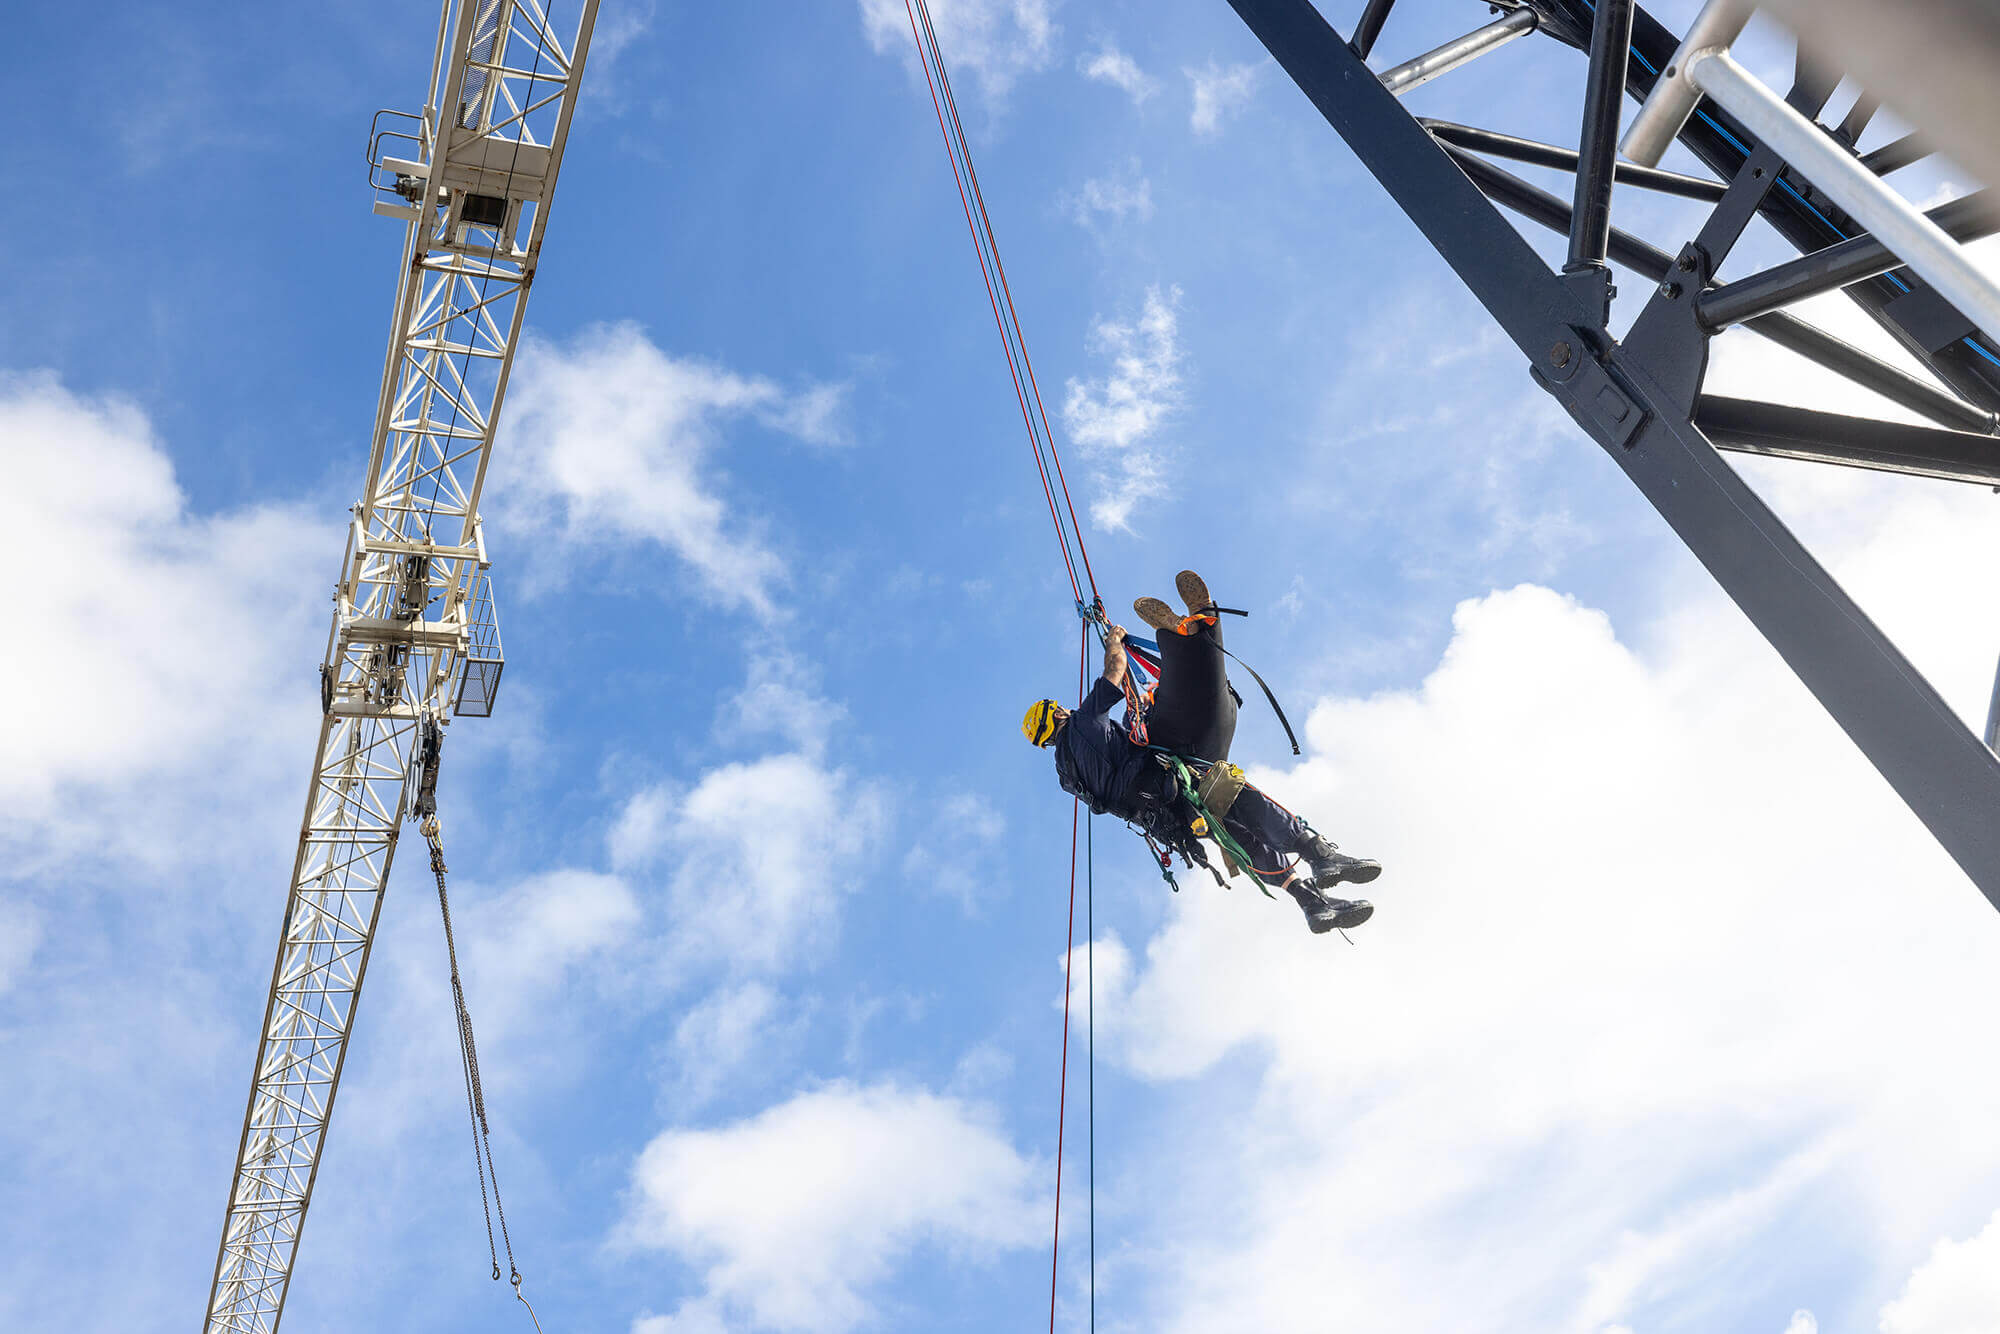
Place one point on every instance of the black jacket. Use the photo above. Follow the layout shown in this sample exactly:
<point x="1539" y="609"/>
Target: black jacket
<point x="1095" y="760"/>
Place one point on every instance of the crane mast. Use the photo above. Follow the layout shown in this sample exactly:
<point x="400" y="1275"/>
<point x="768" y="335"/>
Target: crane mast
<point x="414" y="639"/>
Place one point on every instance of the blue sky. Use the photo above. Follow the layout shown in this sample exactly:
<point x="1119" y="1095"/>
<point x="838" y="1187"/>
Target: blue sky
<point x="1663" y="1022"/>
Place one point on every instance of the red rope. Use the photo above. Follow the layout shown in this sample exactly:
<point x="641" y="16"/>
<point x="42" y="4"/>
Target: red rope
<point x="1053" y="479"/>
<point x="925" y="57"/>
<point x="1007" y="292"/>
<point x="1069" y="958"/>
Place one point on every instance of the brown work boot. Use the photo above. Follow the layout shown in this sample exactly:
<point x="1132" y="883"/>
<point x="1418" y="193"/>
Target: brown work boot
<point x="1155" y="613"/>
<point x="1194" y="592"/>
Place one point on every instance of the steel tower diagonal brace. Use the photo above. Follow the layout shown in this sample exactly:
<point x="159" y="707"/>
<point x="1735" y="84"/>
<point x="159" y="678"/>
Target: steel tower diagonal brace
<point x="475" y="193"/>
<point x="1638" y="405"/>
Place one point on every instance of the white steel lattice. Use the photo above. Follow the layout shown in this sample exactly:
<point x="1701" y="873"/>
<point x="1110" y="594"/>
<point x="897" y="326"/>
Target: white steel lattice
<point x="476" y="195"/>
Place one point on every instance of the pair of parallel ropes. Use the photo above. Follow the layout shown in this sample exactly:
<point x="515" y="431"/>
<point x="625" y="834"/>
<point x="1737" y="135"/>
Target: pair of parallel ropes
<point x="1083" y="587"/>
<point x="1076" y="564"/>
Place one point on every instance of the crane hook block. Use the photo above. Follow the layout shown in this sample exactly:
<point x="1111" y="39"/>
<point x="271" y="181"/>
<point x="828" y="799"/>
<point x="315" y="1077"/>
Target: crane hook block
<point x="430" y="746"/>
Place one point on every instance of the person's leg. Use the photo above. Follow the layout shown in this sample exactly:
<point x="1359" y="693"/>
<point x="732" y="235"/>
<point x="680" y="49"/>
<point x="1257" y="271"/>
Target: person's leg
<point x="1193" y="711"/>
<point x="1270" y="823"/>
<point x="1276" y="839"/>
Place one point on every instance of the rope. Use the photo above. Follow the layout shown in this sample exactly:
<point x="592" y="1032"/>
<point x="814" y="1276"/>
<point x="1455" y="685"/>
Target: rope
<point x="1062" y="1082"/>
<point x="1000" y="297"/>
<point x="1069" y="537"/>
<point x="475" y="1090"/>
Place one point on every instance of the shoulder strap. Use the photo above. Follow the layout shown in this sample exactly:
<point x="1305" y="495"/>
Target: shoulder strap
<point x="1283" y="721"/>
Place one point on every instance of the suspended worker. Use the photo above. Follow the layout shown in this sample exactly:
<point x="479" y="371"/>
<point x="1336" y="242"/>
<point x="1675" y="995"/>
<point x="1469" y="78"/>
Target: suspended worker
<point x="1188" y="727"/>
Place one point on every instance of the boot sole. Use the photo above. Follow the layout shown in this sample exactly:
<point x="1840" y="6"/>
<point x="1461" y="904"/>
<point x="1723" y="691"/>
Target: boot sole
<point x="1156" y="614"/>
<point x="1193" y="590"/>
<point x="1354" y="916"/>
<point x="1353" y="875"/>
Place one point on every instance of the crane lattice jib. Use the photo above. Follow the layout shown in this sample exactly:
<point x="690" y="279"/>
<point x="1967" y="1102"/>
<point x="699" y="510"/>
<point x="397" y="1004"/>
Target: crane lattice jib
<point x="413" y="636"/>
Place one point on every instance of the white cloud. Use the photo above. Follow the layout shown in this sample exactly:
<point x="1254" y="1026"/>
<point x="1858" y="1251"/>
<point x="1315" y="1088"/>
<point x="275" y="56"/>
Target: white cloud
<point x="758" y="854"/>
<point x="162" y="639"/>
<point x="1802" y="1322"/>
<point x="794" y="1215"/>
<point x="781" y="698"/>
<point x="1219" y="91"/>
<point x="1110" y="65"/>
<point x="1520" y="508"/>
<point x="715" y="1038"/>
<point x="1631" y="1265"/>
<point x="816" y="415"/>
<point x="693" y="1318"/>
<point x="642" y="827"/>
<point x="995" y="41"/>
<point x="970" y="816"/>
<point x="542" y="928"/>
<point x="947" y="856"/>
<point x="1746" y="365"/>
<point x="539" y="960"/>
<point x="1605" y="1035"/>
<point x="618" y="28"/>
<point x="1107" y="953"/>
<point x="1955" y="1291"/>
<point x="1116" y="197"/>
<point x="1115" y="419"/>
<point x="611" y="440"/>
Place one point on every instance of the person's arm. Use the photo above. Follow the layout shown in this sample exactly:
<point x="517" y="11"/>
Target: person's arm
<point x="1102" y="699"/>
<point x="1114" y="656"/>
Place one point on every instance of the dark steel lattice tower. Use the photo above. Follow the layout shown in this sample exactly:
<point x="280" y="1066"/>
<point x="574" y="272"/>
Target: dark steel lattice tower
<point x="1641" y="397"/>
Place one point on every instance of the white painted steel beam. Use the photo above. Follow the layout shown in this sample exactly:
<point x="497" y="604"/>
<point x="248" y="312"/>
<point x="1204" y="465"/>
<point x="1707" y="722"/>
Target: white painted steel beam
<point x="1460" y="51"/>
<point x="1867" y="198"/>
<point x="1702" y="66"/>
<point x="1674" y="96"/>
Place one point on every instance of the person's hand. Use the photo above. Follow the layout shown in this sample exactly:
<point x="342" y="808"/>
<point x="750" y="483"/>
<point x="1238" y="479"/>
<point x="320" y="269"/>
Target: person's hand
<point x="1114" y="654"/>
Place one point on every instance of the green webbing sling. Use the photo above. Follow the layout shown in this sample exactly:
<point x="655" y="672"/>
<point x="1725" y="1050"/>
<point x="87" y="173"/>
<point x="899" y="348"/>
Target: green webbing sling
<point x="1233" y="855"/>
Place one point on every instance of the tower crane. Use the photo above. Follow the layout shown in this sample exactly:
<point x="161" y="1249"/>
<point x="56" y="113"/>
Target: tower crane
<point x="415" y="640"/>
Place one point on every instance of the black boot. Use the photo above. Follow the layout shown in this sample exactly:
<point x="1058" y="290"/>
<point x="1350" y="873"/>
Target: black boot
<point x="1331" y="866"/>
<point x="1347" y="913"/>
<point x="1323" y="914"/>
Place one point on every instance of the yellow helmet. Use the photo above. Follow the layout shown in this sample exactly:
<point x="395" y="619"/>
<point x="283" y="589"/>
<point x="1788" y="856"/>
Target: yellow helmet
<point x="1040" y="721"/>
